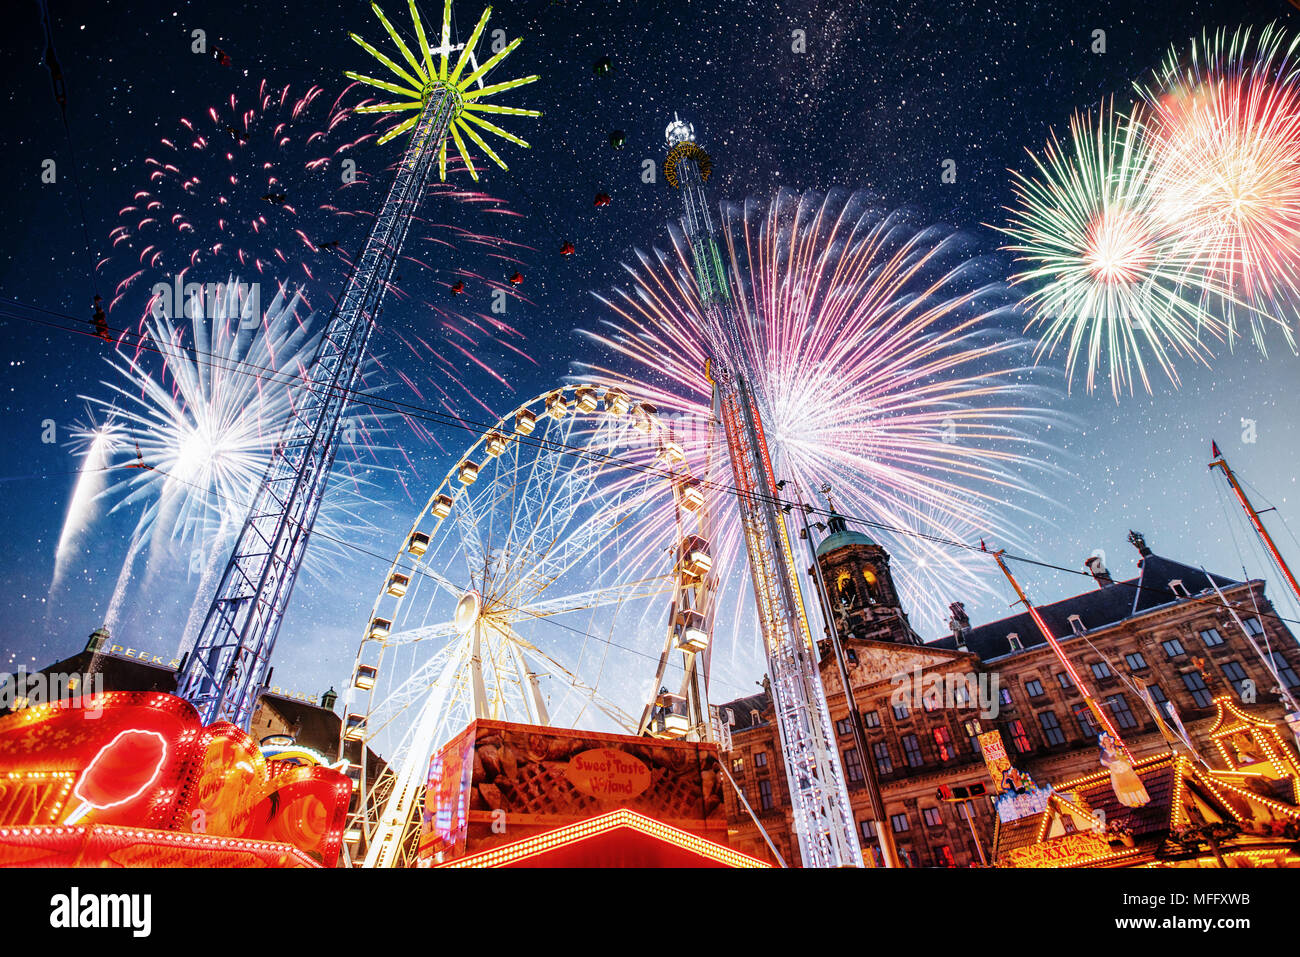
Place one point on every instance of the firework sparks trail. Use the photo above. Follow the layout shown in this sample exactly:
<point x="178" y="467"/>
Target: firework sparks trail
<point x="1224" y="128"/>
<point x="1109" y="277"/>
<point x="96" y="443"/>
<point x="880" y="370"/>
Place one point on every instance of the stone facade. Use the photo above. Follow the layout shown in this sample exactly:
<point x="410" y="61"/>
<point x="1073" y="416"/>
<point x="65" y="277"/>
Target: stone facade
<point x="924" y="704"/>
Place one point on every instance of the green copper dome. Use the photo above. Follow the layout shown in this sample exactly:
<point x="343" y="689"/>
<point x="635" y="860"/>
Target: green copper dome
<point x="840" y="536"/>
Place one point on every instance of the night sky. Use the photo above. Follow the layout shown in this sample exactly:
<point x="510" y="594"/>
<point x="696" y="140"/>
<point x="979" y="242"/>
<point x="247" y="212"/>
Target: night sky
<point x="883" y="95"/>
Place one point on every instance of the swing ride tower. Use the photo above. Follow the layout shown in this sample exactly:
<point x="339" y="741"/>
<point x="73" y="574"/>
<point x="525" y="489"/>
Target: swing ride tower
<point x="226" y="670"/>
<point x="822" y="816"/>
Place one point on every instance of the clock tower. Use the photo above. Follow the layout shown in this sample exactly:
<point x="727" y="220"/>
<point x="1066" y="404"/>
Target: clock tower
<point x="861" y="586"/>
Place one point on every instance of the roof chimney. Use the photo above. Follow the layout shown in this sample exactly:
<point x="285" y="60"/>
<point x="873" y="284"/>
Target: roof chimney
<point x="1098" y="569"/>
<point x="1139" y="542"/>
<point x="959" y="623"/>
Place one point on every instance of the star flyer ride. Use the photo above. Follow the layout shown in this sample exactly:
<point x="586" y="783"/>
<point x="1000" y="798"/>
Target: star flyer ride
<point x="227" y="668"/>
<point x="822" y="816"/>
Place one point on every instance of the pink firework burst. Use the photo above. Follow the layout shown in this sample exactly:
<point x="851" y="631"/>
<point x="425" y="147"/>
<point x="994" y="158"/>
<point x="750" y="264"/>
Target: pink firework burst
<point x="881" y="371"/>
<point x="1224" y="128"/>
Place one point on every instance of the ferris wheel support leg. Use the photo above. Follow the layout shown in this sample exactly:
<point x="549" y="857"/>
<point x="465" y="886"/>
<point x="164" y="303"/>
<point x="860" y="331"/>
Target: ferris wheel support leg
<point x="385" y="843"/>
<point x="476" y="673"/>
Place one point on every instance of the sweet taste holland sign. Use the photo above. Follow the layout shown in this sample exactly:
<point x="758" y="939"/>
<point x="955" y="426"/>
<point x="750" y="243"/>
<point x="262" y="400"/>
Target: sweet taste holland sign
<point x="608" y="774"/>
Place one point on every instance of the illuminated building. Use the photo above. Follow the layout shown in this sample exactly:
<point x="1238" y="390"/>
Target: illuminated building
<point x="1165" y="627"/>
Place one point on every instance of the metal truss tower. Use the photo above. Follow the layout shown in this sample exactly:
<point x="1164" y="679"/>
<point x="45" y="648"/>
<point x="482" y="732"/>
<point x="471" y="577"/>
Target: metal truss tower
<point x="226" y="670"/>
<point x="822" y="816"/>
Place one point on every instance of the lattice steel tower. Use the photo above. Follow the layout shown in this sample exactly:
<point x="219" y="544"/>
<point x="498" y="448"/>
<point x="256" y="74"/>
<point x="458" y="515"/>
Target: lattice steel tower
<point x="822" y="816"/>
<point x="225" y="672"/>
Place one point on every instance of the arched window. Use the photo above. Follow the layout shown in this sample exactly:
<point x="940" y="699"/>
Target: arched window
<point x="873" y="585"/>
<point x="847" y="590"/>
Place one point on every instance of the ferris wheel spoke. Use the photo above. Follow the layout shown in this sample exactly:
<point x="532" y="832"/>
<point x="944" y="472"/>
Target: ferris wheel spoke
<point x="592" y="599"/>
<point x="580" y="546"/>
<point x="415" y="689"/>
<point x="466" y="516"/>
<point x="610" y="709"/>
<point x="548" y="490"/>
<point x="424" y="633"/>
<point x="556" y="551"/>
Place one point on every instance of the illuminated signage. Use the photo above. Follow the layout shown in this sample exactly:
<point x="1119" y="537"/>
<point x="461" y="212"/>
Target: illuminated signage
<point x="608" y="774"/>
<point x="1060" y="852"/>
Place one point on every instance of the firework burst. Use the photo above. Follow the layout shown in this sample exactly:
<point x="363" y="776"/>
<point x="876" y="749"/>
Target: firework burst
<point x="1108" y="277"/>
<point x="879" y="368"/>
<point x="264" y="189"/>
<point x="189" y="427"/>
<point x="1224" y="130"/>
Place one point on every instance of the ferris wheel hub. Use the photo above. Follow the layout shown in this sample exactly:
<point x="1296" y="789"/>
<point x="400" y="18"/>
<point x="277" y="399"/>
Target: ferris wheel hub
<point x="468" y="610"/>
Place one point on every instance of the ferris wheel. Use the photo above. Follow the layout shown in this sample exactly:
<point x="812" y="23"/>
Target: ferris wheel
<point x="566" y="545"/>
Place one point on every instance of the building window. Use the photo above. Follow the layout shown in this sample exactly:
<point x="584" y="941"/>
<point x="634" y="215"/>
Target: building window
<point x="943" y="744"/>
<point x="963" y="811"/>
<point x="907" y="857"/>
<point x="760" y="759"/>
<point x="900" y="711"/>
<point x="1135" y="661"/>
<point x="1284" y="670"/>
<point x="1119" y="708"/>
<point x="943" y="857"/>
<point x="1064" y="681"/>
<point x="1051" y="728"/>
<point x="899" y="822"/>
<point x="960" y="698"/>
<point x="1211" y="637"/>
<point x="1253" y="626"/>
<point x="844" y="726"/>
<point x="1084" y="716"/>
<point x="912" y="750"/>
<point x="1100" y="670"/>
<point x="868" y="831"/>
<point x="853" y="765"/>
<point x="1077" y="626"/>
<point x="737" y="765"/>
<point x="1018" y="736"/>
<point x="765" y="794"/>
<point x="1178" y="588"/>
<point x="1173" y="647"/>
<point x="931" y="816"/>
<point x="1237" y="677"/>
<point x="1004" y="695"/>
<point x="883" y="762"/>
<point x="930" y="702"/>
<point x="1196" y="685"/>
<point x="852" y="655"/>
<point x="871" y="719"/>
<point x="1157" y="697"/>
<point x="1034" y="688"/>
